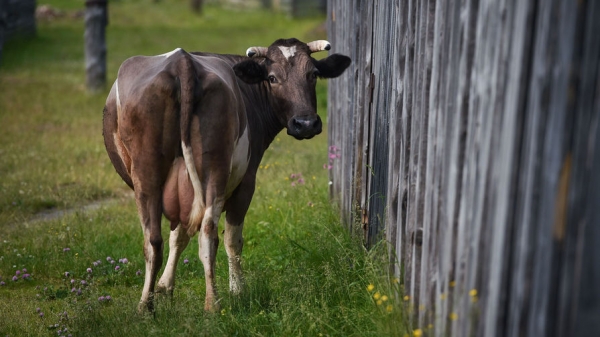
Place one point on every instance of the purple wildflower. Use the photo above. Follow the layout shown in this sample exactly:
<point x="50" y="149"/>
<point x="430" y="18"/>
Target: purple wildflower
<point x="186" y="261"/>
<point x="112" y="261"/>
<point x="38" y="309"/>
<point x="301" y="181"/>
<point x="73" y="289"/>
<point x="66" y="249"/>
<point x="78" y="291"/>
<point x="83" y="283"/>
<point x="18" y="272"/>
<point x="41" y="314"/>
<point x="24" y="270"/>
<point x="15" y="278"/>
<point x="89" y="270"/>
<point x="138" y="273"/>
<point x="125" y="261"/>
<point x="117" y="268"/>
<point x="98" y="262"/>
<point x="72" y="281"/>
<point x="108" y="258"/>
<point x="67" y="274"/>
<point x="26" y="276"/>
<point x="95" y="264"/>
<point x="101" y="298"/>
<point x="2" y="283"/>
<point x="108" y="298"/>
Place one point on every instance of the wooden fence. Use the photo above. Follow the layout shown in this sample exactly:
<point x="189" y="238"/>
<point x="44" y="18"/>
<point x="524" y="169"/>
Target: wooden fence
<point x="466" y="134"/>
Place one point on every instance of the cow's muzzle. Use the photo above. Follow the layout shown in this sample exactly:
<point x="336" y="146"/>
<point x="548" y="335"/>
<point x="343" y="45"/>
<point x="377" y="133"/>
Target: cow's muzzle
<point x="305" y="127"/>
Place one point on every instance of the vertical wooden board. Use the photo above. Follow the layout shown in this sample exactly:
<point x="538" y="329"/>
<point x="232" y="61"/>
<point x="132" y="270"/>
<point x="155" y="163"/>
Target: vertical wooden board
<point x="580" y="127"/>
<point x="511" y="80"/>
<point x="379" y="119"/>
<point x="397" y="140"/>
<point x="429" y="262"/>
<point x="362" y="121"/>
<point x="418" y="142"/>
<point x="407" y="115"/>
<point x="477" y="199"/>
<point x="585" y="190"/>
<point x="404" y="99"/>
<point x="342" y="106"/>
<point x="555" y="58"/>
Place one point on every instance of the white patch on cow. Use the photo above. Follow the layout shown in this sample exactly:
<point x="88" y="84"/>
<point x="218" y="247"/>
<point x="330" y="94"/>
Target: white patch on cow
<point x="288" y="51"/>
<point x="149" y="255"/>
<point x="198" y="204"/>
<point x="239" y="162"/>
<point x="118" y="98"/>
<point x="166" y="55"/>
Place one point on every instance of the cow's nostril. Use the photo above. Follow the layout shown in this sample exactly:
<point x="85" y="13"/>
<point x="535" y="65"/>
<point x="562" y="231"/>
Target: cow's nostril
<point x="297" y="124"/>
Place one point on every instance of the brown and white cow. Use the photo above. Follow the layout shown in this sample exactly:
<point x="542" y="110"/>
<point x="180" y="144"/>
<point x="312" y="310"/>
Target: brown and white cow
<point x="187" y="132"/>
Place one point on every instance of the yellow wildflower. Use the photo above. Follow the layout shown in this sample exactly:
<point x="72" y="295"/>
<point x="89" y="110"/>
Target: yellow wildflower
<point x="406" y="298"/>
<point x="473" y="292"/>
<point x="223" y="312"/>
<point x="384" y="298"/>
<point x="430" y="326"/>
<point x="454" y="316"/>
<point x="379" y="302"/>
<point x="370" y="287"/>
<point x="389" y="308"/>
<point x="443" y="296"/>
<point x="452" y="284"/>
<point x="396" y="280"/>
<point x="418" y="333"/>
<point x="377" y="295"/>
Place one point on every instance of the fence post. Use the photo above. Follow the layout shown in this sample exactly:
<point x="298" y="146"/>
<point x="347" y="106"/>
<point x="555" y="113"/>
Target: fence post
<point x="96" y="19"/>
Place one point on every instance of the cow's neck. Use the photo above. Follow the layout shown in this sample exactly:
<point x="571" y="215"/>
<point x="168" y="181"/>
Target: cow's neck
<point x="262" y="120"/>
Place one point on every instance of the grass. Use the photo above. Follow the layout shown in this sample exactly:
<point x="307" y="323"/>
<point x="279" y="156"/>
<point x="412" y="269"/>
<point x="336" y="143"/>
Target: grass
<point x="305" y="276"/>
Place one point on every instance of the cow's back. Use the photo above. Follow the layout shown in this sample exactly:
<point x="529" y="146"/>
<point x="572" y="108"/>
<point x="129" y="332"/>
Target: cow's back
<point x="142" y="119"/>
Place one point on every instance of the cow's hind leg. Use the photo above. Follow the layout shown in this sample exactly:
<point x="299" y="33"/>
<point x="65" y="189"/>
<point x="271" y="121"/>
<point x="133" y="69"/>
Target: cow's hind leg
<point x="150" y="212"/>
<point x="208" y="241"/>
<point x="178" y="241"/>
<point x="236" y="208"/>
<point x="233" y="245"/>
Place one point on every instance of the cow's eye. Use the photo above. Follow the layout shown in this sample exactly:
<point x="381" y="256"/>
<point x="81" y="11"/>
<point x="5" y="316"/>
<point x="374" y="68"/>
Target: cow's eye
<point x="272" y="79"/>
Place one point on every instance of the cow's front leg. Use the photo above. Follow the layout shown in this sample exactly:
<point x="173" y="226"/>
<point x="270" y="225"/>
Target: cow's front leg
<point x="149" y="208"/>
<point x="178" y="241"/>
<point x="234" y="242"/>
<point x="208" y="242"/>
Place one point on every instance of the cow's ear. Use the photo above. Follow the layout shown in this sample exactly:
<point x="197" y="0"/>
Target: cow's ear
<point x="333" y="65"/>
<point x="250" y="71"/>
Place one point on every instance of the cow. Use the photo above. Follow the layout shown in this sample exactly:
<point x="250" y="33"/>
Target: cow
<point x="187" y="132"/>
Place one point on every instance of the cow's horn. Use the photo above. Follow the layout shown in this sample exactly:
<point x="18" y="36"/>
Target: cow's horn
<point x="256" y="51"/>
<point x="319" y="45"/>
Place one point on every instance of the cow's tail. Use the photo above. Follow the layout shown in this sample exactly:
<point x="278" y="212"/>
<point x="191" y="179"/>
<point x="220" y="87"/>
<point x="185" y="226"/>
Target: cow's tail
<point x="187" y="84"/>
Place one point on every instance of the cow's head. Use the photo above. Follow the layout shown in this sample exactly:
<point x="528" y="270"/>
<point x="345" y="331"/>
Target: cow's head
<point x="291" y="74"/>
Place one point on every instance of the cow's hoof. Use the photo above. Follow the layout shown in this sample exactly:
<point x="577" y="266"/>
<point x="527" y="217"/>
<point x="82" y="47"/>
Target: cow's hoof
<point x="164" y="290"/>
<point x="146" y="308"/>
<point x="212" y="307"/>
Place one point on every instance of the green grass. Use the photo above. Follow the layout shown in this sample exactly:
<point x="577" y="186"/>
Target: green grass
<point x="305" y="276"/>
